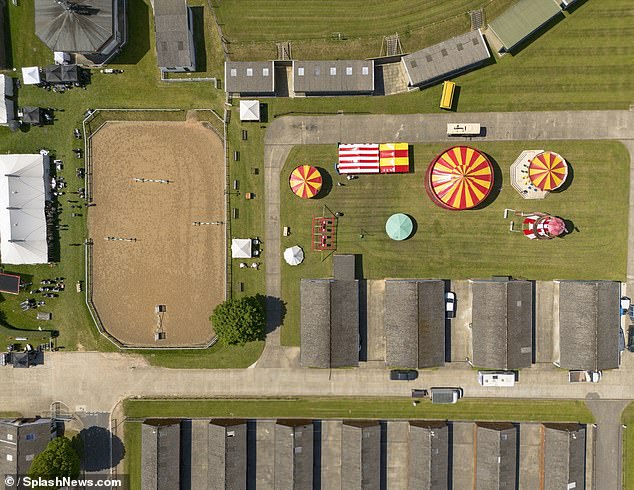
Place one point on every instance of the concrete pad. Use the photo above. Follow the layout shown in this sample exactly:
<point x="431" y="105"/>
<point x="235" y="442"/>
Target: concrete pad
<point x="375" y="346"/>
<point x="331" y="455"/>
<point x="530" y="439"/>
<point x="462" y="455"/>
<point x="397" y="454"/>
<point x="460" y="333"/>
<point x="544" y="315"/>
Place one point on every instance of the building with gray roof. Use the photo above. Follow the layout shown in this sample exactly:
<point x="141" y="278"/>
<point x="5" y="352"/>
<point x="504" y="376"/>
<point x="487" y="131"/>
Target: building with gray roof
<point x="21" y="440"/>
<point x="89" y="27"/>
<point x="294" y="454"/>
<point x="428" y="455"/>
<point x="333" y="77"/>
<point x="564" y="456"/>
<point x="361" y="455"/>
<point x="445" y="59"/>
<point x="249" y="78"/>
<point x="160" y="454"/>
<point x="227" y="455"/>
<point x="521" y="20"/>
<point x="589" y="323"/>
<point x="414" y="323"/>
<point x="502" y="324"/>
<point x="496" y="456"/>
<point x="329" y="323"/>
<point x="174" y="30"/>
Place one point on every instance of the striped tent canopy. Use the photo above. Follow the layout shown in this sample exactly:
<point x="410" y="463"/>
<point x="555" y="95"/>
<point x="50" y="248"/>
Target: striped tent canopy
<point x="305" y="181"/>
<point x="358" y="159"/>
<point x="548" y="171"/>
<point x="394" y="158"/>
<point x="459" y="178"/>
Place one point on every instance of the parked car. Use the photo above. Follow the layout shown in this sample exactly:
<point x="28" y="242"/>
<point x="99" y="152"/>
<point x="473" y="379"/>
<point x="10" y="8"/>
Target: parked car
<point x="630" y="338"/>
<point x="446" y="395"/>
<point x="403" y="374"/>
<point x="450" y="304"/>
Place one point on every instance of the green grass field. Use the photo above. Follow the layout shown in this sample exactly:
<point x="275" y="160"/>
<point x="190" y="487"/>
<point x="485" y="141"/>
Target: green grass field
<point x="627" y="419"/>
<point x="467" y="244"/>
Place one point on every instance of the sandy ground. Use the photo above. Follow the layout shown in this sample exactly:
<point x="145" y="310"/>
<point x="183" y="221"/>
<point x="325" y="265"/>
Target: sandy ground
<point x="171" y="262"/>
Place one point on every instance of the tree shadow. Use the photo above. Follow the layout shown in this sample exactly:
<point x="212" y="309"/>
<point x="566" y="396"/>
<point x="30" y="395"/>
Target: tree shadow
<point x="138" y="34"/>
<point x="275" y="311"/>
<point x="200" y="49"/>
<point x="96" y="455"/>
<point x="498" y="183"/>
<point x="326" y="183"/>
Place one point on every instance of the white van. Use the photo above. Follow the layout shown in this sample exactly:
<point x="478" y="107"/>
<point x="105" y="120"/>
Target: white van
<point x="496" y="378"/>
<point x="463" y="129"/>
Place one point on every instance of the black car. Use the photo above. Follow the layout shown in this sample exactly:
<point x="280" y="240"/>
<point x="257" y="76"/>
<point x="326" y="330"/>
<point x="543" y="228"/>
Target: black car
<point x="403" y="374"/>
<point x="630" y="338"/>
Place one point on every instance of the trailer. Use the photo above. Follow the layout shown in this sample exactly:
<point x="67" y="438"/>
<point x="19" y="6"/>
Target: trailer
<point x="584" y="376"/>
<point x="463" y="129"/>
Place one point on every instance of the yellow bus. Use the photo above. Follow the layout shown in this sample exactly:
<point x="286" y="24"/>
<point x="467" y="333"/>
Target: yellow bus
<point x="446" y="99"/>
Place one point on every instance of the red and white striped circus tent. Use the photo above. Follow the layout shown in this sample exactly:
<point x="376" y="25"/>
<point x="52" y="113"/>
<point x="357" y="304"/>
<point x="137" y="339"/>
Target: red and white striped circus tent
<point x="358" y="159"/>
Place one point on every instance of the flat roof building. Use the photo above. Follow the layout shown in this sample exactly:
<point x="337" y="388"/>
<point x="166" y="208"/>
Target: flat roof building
<point x="496" y="456"/>
<point x="445" y="59"/>
<point x="414" y="323"/>
<point x="502" y="324"/>
<point x="564" y="456"/>
<point x="333" y="77"/>
<point x="174" y="30"/>
<point x="249" y="78"/>
<point x="428" y="455"/>
<point x="361" y="455"/>
<point x="294" y="454"/>
<point x="521" y="20"/>
<point x="589" y="324"/>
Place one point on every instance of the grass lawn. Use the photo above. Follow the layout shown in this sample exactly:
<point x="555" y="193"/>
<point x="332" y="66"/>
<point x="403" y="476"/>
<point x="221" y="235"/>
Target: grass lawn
<point x="628" y="447"/>
<point x="132" y="441"/>
<point x="468" y="244"/>
<point x="334" y="29"/>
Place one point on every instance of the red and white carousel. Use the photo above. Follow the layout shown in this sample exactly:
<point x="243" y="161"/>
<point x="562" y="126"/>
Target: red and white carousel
<point x="542" y="226"/>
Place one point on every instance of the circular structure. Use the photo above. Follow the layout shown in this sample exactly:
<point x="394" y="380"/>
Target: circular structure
<point x="399" y="226"/>
<point x="548" y="171"/>
<point x="294" y="255"/>
<point x="305" y="181"/>
<point x="543" y="226"/>
<point x="459" y="178"/>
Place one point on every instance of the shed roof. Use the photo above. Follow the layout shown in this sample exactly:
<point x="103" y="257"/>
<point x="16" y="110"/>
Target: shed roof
<point x="521" y="19"/>
<point x="330" y="77"/>
<point x="564" y="456"/>
<point x="329" y="323"/>
<point x="344" y="267"/>
<point x="415" y="323"/>
<point x="428" y="455"/>
<point x="74" y="26"/>
<point x="502" y="324"/>
<point x="447" y="58"/>
<point x="496" y="456"/>
<point x="294" y="454"/>
<point x="361" y="455"/>
<point x="160" y="454"/>
<point x="249" y="77"/>
<point x="227" y="454"/>
<point x="171" y="22"/>
<point x="589" y="322"/>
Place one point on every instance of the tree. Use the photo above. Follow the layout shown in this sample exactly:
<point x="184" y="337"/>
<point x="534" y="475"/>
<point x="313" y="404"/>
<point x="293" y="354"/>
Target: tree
<point x="59" y="459"/>
<point x="238" y="321"/>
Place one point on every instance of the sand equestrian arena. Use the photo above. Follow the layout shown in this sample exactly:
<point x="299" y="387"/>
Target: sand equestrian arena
<point x="168" y="260"/>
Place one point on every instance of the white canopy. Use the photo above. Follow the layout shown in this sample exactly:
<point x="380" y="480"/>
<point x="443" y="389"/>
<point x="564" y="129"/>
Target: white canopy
<point x="23" y="193"/>
<point x="241" y="248"/>
<point x="7" y="112"/>
<point x="31" y="75"/>
<point x="6" y="86"/>
<point x="61" y="58"/>
<point x="249" y="110"/>
<point x="294" y="255"/>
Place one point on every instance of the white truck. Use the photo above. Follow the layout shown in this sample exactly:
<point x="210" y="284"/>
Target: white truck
<point x="496" y="378"/>
<point x="584" y="376"/>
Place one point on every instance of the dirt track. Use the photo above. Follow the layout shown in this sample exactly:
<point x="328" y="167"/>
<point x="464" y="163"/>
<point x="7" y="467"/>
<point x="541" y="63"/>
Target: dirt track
<point x="171" y="262"/>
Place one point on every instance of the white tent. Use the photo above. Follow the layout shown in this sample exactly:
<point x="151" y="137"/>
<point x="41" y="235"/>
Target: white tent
<point x="31" y="75"/>
<point x="241" y="248"/>
<point x="61" y="58"/>
<point x="23" y="193"/>
<point x="249" y="110"/>
<point x="294" y="255"/>
<point x="6" y="86"/>
<point x="7" y="112"/>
